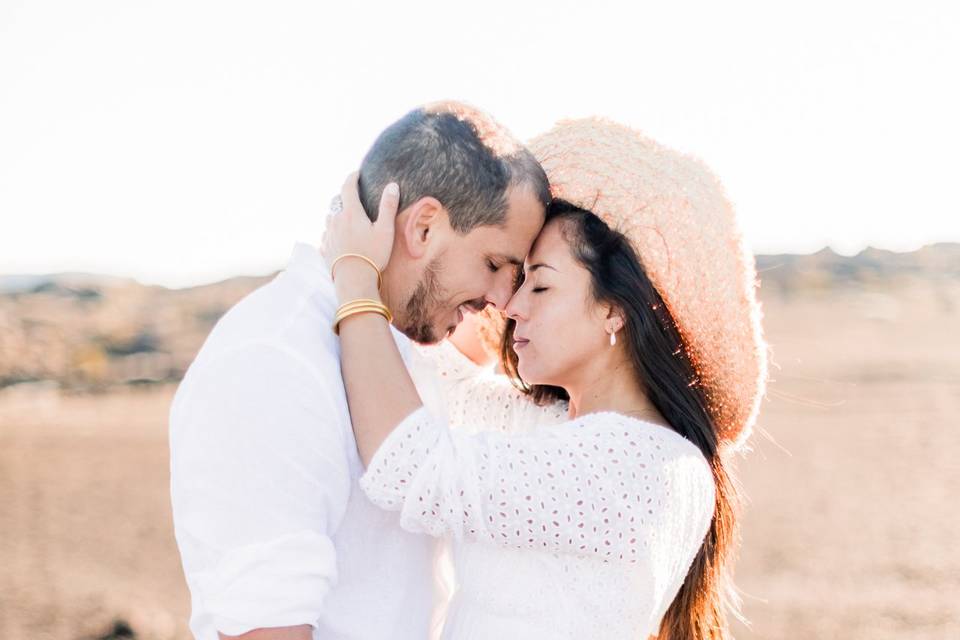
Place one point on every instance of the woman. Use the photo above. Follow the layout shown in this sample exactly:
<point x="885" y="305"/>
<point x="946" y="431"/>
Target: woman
<point x="594" y="499"/>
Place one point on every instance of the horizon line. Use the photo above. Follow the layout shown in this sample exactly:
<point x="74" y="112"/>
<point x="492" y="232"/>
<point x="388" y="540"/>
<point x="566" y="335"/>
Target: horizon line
<point x="207" y="281"/>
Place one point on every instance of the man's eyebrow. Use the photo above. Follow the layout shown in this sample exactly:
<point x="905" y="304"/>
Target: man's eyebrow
<point x="499" y="257"/>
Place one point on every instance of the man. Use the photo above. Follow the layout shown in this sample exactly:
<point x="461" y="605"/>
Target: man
<point x="277" y="540"/>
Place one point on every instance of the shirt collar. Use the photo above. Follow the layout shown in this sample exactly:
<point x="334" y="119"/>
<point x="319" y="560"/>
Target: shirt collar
<point x="307" y="262"/>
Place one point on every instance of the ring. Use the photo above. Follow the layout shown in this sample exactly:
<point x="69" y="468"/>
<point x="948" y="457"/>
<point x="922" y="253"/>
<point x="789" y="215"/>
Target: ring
<point x="336" y="204"/>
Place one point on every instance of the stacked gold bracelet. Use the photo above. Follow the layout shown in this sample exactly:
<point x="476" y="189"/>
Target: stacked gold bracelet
<point x="363" y="305"/>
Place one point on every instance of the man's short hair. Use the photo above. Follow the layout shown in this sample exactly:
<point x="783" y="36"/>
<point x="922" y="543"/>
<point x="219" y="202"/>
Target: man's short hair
<point x="456" y="154"/>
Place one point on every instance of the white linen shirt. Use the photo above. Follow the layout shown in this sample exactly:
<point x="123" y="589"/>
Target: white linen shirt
<point x="272" y="527"/>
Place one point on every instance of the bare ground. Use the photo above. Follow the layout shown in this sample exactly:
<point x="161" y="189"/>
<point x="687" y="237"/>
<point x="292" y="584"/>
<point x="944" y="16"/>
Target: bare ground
<point x="849" y="532"/>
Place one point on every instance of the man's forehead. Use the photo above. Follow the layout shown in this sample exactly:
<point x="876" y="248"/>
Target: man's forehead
<point x="524" y="209"/>
<point x="521" y="234"/>
<point x="510" y="244"/>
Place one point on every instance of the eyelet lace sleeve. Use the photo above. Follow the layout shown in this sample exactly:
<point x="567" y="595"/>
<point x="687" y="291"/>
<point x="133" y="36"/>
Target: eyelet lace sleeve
<point x="478" y="399"/>
<point x="603" y="485"/>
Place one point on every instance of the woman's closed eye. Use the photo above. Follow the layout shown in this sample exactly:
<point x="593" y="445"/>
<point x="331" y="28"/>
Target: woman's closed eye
<point x="539" y="289"/>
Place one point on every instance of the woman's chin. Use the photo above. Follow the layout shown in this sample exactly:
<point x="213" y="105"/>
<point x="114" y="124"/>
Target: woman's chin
<point x="527" y="373"/>
<point x="521" y="371"/>
<point x="532" y="376"/>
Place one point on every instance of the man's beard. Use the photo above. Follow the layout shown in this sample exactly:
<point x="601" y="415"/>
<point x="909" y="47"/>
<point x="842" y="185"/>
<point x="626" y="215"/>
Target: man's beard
<point x="424" y="302"/>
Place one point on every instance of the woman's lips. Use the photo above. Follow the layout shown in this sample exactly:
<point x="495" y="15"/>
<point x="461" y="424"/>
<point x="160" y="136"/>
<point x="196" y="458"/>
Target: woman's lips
<point x="519" y="343"/>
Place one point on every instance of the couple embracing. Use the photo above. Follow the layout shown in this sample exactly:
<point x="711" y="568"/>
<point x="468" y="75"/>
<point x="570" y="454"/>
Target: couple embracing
<point x="534" y="361"/>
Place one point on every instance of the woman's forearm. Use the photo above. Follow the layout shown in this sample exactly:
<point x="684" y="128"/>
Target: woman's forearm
<point x="379" y="389"/>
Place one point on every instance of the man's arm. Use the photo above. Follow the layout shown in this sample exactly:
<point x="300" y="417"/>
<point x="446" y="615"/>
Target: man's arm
<point x="259" y="482"/>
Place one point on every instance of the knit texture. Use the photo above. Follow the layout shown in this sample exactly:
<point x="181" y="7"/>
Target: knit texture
<point x="579" y="528"/>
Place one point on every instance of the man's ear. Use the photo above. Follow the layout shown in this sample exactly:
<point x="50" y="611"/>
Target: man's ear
<point x="418" y="224"/>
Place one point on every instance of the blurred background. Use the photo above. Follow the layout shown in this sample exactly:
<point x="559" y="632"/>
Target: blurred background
<point x="159" y="160"/>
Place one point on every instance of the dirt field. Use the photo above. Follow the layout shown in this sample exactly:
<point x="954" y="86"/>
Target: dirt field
<point x="848" y="534"/>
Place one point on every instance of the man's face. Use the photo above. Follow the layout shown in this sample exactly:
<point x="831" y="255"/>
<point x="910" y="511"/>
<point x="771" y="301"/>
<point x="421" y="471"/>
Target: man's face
<point x="471" y="271"/>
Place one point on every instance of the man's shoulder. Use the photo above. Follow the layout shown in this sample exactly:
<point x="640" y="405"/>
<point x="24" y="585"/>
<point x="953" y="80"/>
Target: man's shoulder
<point x="274" y="347"/>
<point x="282" y="313"/>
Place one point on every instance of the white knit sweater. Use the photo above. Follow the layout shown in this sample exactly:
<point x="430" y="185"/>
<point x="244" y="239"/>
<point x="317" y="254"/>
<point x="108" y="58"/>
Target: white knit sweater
<point x="560" y="528"/>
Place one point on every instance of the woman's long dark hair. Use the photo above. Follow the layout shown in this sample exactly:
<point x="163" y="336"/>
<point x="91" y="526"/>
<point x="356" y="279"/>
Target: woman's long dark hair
<point x="660" y="359"/>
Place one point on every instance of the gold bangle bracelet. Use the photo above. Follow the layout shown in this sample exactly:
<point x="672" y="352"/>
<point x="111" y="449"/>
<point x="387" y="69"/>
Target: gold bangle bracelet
<point x="363" y="305"/>
<point x="362" y="302"/>
<point x="361" y="309"/>
<point x="361" y="257"/>
<point x="347" y="305"/>
<point x="355" y="312"/>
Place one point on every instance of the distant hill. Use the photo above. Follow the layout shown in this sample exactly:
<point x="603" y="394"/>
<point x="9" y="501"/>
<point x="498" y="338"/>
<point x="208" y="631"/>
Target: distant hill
<point x="827" y="269"/>
<point x="64" y="282"/>
<point x="86" y="331"/>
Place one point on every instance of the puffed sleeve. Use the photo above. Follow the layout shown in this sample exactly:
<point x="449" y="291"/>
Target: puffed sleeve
<point x="259" y="481"/>
<point x="601" y="485"/>
<point x="478" y="399"/>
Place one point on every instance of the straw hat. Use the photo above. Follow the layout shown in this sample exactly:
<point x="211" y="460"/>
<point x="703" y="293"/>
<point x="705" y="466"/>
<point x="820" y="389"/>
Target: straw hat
<point x="675" y="213"/>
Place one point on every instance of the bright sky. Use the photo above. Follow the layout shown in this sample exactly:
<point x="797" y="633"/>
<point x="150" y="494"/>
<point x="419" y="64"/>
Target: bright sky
<point x="180" y="142"/>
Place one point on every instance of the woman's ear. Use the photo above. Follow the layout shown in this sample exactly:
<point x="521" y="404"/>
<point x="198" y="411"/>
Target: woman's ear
<point x="418" y="224"/>
<point x="614" y="320"/>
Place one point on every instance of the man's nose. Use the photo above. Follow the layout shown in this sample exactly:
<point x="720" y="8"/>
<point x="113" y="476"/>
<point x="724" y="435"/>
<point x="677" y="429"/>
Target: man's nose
<point x="499" y="295"/>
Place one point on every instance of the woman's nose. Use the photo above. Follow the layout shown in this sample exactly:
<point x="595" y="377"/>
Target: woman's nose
<point x="514" y="307"/>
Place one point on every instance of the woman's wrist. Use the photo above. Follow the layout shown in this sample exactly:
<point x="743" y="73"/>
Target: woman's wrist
<point x="355" y="279"/>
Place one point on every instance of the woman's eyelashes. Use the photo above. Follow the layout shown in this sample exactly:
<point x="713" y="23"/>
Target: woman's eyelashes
<point x="539" y="289"/>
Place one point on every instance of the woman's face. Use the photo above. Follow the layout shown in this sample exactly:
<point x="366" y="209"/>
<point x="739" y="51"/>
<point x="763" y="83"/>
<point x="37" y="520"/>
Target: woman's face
<point x="559" y="327"/>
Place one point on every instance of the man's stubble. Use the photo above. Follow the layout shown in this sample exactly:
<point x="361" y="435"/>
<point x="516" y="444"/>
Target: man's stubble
<point x="422" y="306"/>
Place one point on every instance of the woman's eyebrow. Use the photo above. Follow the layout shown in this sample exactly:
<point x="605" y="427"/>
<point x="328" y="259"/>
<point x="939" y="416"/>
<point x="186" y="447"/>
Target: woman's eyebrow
<point x="534" y="267"/>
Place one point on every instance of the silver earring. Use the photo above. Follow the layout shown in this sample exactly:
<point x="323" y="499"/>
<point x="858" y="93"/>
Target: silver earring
<point x="613" y="338"/>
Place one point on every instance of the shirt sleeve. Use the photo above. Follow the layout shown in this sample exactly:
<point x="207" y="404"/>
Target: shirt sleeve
<point x="599" y="486"/>
<point x="259" y="481"/>
<point x="479" y="399"/>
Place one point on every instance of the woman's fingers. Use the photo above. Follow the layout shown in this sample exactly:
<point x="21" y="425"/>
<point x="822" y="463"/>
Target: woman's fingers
<point x="351" y="230"/>
<point x="329" y="247"/>
<point x="389" y="203"/>
<point x="350" y="183"/>
<point x="350" y="196"/>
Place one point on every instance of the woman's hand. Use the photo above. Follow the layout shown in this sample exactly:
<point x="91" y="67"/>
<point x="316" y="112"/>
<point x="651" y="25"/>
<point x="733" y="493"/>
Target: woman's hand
<point x="379" y="389"/>
<point x="350" y="231"/>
